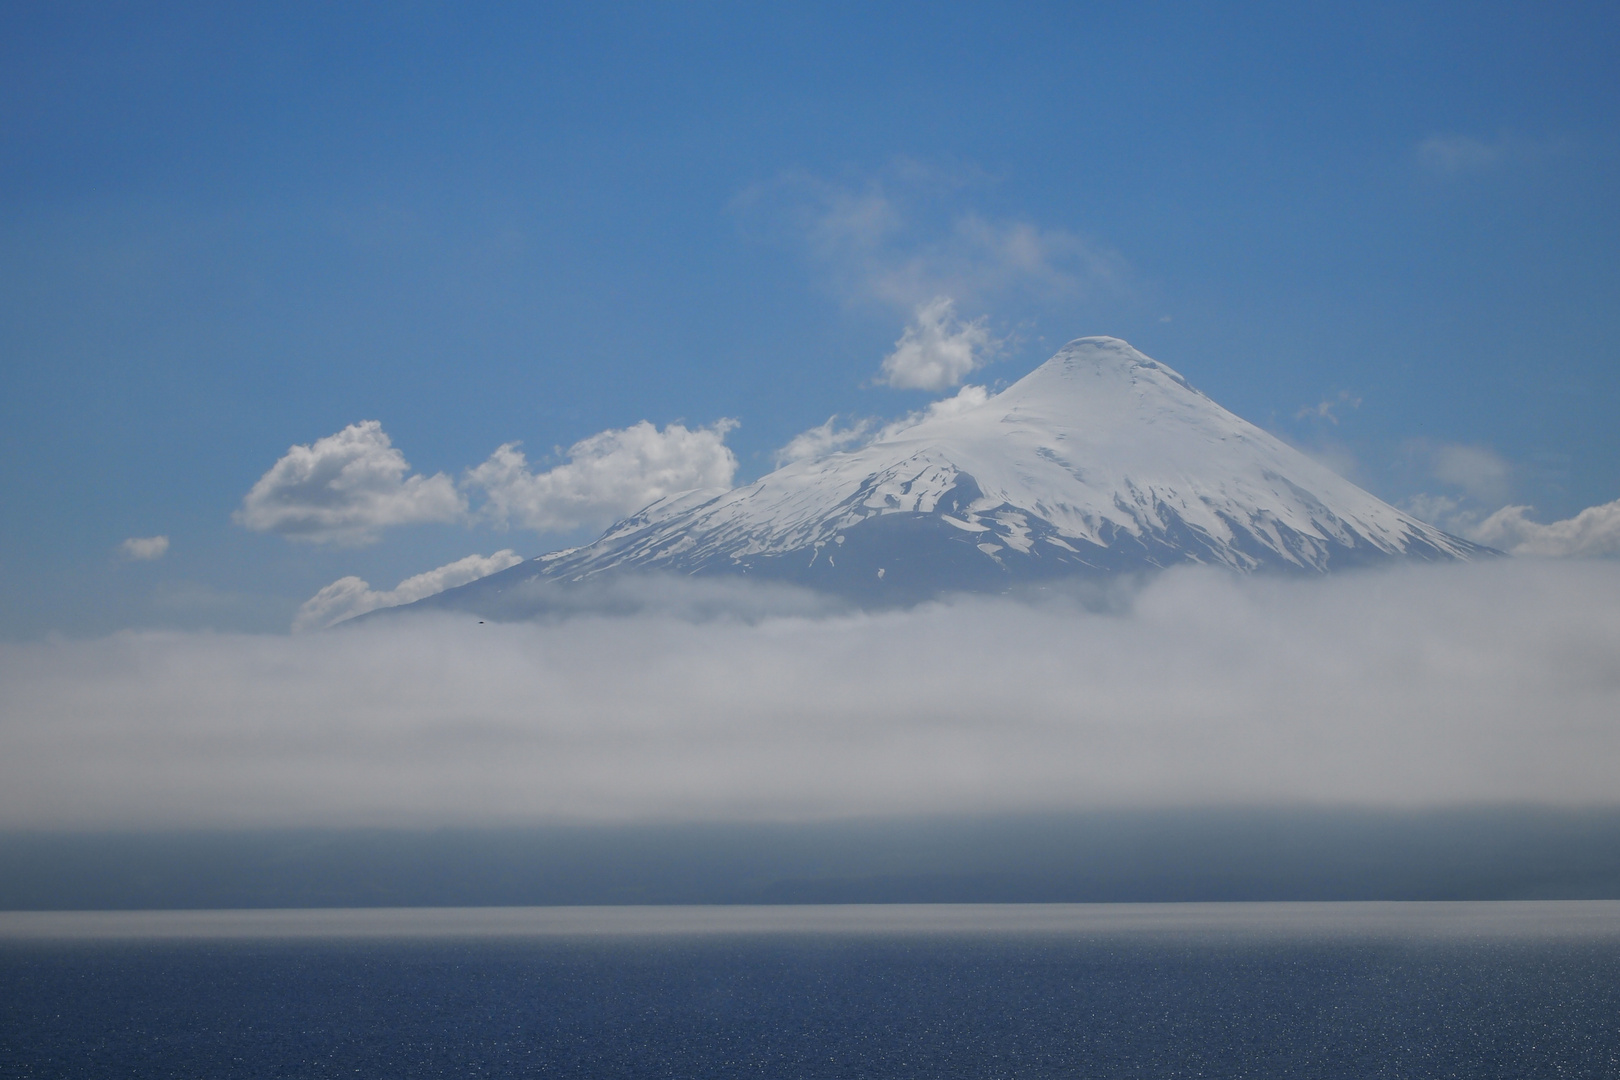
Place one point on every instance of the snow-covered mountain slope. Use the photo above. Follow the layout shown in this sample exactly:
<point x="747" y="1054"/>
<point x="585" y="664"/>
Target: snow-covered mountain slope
<point x="1101" y="460"/>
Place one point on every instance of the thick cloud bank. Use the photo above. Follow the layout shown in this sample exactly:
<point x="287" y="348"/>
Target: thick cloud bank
<point x="1493" y="682"/>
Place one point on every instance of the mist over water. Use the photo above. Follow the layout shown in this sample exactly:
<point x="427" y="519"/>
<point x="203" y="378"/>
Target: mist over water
<point x="1494" y="682"/>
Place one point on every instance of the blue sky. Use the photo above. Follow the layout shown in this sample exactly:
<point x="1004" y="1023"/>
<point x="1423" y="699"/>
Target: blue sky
<point x="225" y="233"/>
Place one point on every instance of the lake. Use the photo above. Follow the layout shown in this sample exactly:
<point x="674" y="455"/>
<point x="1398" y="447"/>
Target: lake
<point x="1524" y="989"/>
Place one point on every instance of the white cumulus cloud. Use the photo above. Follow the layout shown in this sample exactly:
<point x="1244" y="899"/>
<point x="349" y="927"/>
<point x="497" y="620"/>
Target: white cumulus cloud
<point x="1480" y="479"/>
<point x="1593" y="532"/>
<point x="350" y="596"/>
<point x="938" y="349"/>
<point x="346" y="487"/>
<point x="145" y="548"/>
<point x="606" y="476"/>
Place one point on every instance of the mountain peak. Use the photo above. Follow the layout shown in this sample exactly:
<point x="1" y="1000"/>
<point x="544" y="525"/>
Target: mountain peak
<point x="1102" y="352"/>
<point x="1097" y="359"/>
<point x="1101" y="460"/>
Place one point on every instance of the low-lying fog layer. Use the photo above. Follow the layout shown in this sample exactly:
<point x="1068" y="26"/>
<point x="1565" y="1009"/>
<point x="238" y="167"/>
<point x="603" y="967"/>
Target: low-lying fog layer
<point x="1494" y="682"/>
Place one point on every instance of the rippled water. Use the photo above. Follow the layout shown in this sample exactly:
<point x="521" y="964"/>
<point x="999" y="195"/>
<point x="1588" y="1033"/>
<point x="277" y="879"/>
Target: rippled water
<point x="1518" y="990"/>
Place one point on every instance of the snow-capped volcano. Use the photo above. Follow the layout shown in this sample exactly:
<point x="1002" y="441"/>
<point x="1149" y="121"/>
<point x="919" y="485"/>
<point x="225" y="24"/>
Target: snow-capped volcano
<point x="1098" y="461"/>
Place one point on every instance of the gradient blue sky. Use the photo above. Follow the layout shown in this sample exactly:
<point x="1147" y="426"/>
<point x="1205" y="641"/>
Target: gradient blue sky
<point x="228" y="230"/>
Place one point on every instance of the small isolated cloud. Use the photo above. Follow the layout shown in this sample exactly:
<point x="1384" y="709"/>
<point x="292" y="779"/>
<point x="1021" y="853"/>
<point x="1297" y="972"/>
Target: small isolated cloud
<point x="839" y="220"/>
<point x="980" y="259"/>
<point x="828" y="438"/>
<point x="1479" y="478"/>
<point x="145" y="548"/>
<point x="1444" y="511"/>
<point x="606" y="476"/>
<point x="1448" y="156"/>
<point x="824" y="440"/>
<point x="938" y="349"/>
<point x="1594" y="532"/>
<point x="350" y="596"/>
<point x="1453" y="154"/>
<point x="344" y="488"/>
<point x="905" y="237"/>
<point x="1479" y="471"/>
<point x="1326" y="409"/>
<point x="969" y="397"/>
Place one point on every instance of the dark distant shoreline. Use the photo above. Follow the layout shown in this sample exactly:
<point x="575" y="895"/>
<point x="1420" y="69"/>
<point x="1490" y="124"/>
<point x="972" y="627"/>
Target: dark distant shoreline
<point x="1257" y="924"/>
<point x="1297" y="854"/>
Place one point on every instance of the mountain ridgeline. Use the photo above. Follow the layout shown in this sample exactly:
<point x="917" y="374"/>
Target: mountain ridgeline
<point x="1099" y="462"/>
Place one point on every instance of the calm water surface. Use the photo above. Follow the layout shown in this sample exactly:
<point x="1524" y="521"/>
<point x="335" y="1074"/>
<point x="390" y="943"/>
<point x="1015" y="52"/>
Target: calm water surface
<point x="1368" y="990"/>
